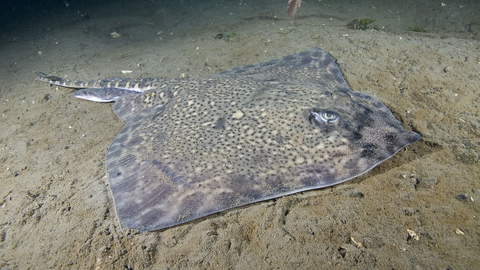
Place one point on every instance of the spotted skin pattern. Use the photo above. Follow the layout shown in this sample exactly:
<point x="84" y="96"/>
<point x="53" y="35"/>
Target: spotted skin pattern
<point x="194" y="147"/>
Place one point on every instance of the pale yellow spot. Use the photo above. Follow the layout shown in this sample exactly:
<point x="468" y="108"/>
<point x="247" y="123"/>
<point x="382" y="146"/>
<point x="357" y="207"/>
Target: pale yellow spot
<point x="238" y="115"/>
<point x="299" y="160"/>
<point x="320" y="146"/>
<point x="332" y="138"/>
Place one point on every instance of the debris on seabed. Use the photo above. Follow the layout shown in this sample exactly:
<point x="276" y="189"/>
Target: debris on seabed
<point x="459" y="232"/>
<point x="413" y="234"/>
<point x="358" y="244"/>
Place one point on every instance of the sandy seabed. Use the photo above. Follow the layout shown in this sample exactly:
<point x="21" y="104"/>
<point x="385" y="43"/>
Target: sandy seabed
<point x="417" y="210"/>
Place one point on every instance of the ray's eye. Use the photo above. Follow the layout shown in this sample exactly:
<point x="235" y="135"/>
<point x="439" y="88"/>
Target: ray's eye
<point x="323" y="117"/>
<point x="329" y="117"/>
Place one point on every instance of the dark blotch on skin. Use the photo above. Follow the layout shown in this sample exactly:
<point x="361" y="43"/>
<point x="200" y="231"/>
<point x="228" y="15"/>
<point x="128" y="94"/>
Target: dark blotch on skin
<point x="135" y="141"/>
<point x="392" y="142"/>
<point x="369" y="151"/>
<point x="220" y="123"/>
<point x="356" y="136"/>
<point x="306" y="60"/>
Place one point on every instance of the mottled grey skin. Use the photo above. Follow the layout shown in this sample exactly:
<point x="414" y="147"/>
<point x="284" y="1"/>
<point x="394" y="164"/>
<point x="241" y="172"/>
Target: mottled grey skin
<point x="194" y="147"/>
